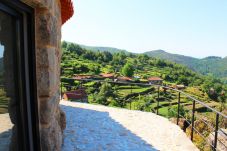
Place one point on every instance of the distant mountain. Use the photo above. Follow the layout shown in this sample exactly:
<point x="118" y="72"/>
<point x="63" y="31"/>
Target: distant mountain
<point x="212" y="65"/>
<point x="101" y="49"/>
<point x="185" y="60"/>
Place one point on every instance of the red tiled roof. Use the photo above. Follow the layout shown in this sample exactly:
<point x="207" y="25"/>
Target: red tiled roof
<point x="79" y="77"/>
<point x="155" y="79"/>
<point x="66" y="10"/>
<point x="107" y="75"/>
<point x="76" y="94"/>
<point x="124" y="78"/>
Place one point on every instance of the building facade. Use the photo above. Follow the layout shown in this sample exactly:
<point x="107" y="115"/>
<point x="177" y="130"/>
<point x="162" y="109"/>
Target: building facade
<point x="35" y="113"/>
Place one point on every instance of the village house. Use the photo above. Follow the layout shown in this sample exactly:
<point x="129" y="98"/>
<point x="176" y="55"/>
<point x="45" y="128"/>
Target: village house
<point x="107" y="76"/>
<point x="82" y="77"/>
<point x="178" y="87"/>
<point x="155" y="80"/>
<point x="78" y="95"/>
<point x="123" y="79"/>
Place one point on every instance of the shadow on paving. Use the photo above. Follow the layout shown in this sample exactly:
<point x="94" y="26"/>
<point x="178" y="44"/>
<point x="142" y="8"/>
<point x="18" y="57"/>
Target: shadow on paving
<point x="5" y="138"/>
<point x="91" y="130"/>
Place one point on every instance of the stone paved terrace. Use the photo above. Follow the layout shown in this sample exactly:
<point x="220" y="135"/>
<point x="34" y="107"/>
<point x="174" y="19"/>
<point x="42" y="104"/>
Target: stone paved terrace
<point x="100" y="128"/>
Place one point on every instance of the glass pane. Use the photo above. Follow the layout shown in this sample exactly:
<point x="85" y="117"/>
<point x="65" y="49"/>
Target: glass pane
<point x="7" y="94"/>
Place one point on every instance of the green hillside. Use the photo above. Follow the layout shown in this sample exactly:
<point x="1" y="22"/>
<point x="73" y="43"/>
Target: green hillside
<point x="214" y="66"/>
<point x="102" y="49"/>
<point x="188" y="61"/>
<point x="77" y="60"/>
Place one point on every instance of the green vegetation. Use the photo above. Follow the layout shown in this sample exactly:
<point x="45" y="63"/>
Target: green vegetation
<point x="78" y="60"/>
<point x="213" y="66"/>
<point x="127" y="70"/>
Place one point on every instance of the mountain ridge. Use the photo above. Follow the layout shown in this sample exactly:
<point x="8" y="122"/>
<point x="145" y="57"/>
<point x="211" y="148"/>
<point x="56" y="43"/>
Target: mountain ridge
<point x="211" y="65"/>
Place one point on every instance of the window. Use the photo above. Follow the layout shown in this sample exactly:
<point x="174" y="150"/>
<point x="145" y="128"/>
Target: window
<point x="18" y="105"/>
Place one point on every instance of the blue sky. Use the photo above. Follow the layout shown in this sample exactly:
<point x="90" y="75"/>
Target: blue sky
<point x="195" y="28"/>
<point x="1" y="51"/>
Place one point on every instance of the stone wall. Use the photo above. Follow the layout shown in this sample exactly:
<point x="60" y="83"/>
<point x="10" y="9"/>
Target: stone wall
<point x="48" y="55"/>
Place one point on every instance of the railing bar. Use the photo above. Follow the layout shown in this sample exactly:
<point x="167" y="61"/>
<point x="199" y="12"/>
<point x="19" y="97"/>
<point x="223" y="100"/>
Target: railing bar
<point x="185" y="119"/>
<point x="209" y="143"/>
<point x="222" y="143"/>
<point x="204" y="138"/>
<point x="178" y="108"/>
<point x="193" y="118"/>
<point x="181" y="116"/>
<point x="216" y="130"/>
<point x="158" y="100"/>
<point x="222" y="132"/>
<point x="205" y="122"/>
<point x="224" y="135"/>
<point x="199" y="133"/>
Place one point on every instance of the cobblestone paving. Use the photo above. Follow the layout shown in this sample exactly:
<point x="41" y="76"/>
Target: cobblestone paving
<point x="95" y="127"/>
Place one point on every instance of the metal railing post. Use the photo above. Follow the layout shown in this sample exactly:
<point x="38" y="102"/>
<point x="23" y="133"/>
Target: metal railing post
<point x="158" y="100"/>
<point x="178" y="109"/>
<point x="130" y="105"/>
<point x="193" y="120"/>
<point x="216" y="132"/>
<point x="61" y="90"/>
<point x="131" y="89"/>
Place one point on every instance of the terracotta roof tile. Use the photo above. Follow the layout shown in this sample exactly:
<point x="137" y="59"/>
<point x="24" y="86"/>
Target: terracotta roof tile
<point x="155" y="79"/>
<point x="107" y="75"/>
<point x="124" y="78"/>
<point x="67" y="10"/>
<point x="76" y="94"/>
<point x="79" y="77"/>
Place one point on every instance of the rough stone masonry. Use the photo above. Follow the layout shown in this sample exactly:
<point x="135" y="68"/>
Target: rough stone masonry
<point x="48" y="55"/>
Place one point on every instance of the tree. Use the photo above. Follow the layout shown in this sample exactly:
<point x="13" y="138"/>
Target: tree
<point x="75" y="48"/>
<point x="64" y="44"/>
<point x="128" y="70"/>
<point x="107" y="56"/>
<point x="105" y="92"/>
<point x="222" y="99"/>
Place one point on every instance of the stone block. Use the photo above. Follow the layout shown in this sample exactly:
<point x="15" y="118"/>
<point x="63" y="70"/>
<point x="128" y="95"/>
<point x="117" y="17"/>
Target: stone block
<point x="51" y="138"/>
<point x="48" y="108"/>
<point x="47" y="28"/>
<point x="46" y="81"/>
<point x="48" y="78"/>
<point x="46" y="57"/>
<point x="61" y="118"/>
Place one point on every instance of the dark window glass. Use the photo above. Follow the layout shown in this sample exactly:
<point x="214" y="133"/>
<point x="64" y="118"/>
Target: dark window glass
<point x="8" y="101"/>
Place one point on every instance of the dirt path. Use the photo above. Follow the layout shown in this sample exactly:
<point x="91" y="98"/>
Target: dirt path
<point x="95" y="127"/>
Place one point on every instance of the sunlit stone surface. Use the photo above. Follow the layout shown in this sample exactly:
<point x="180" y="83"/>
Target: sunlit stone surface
<point x="95" y="127"/>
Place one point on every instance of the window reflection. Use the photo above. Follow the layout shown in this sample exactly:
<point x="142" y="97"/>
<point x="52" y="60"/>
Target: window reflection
<point x="7" y="94"/>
